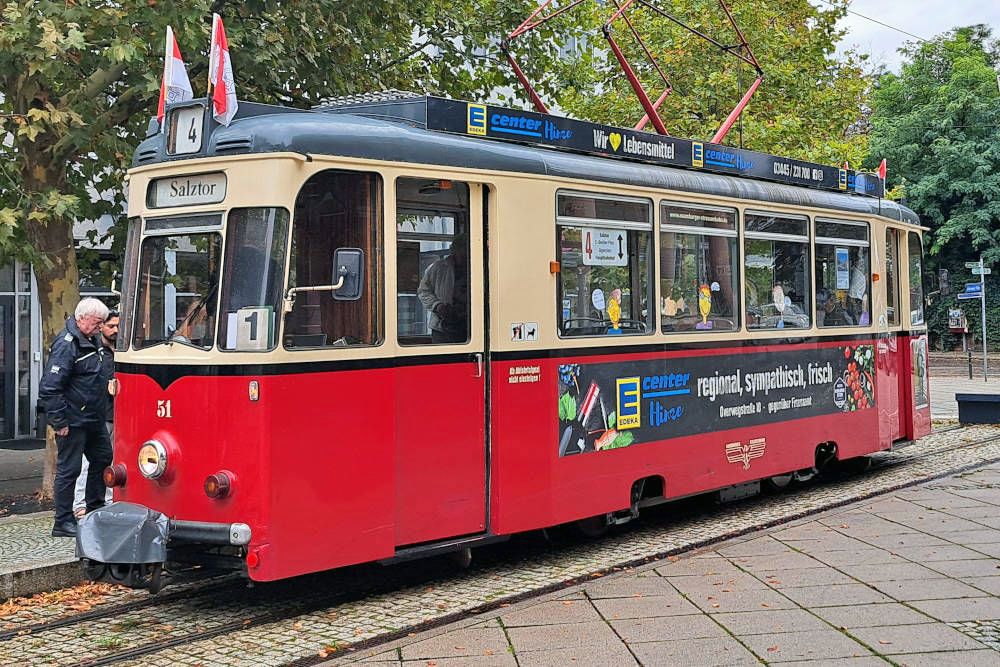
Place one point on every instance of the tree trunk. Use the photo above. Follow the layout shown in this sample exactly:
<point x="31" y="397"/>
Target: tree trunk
<point x="58" y="285"/>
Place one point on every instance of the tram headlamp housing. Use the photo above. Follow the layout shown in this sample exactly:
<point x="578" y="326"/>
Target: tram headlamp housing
<point x="152" y="459"/>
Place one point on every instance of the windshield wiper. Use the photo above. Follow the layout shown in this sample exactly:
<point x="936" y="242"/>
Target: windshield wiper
<point x="197" y="308"/>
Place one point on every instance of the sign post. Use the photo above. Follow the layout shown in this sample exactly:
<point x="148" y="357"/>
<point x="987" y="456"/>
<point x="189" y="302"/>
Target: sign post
<point x="978" y="291"/>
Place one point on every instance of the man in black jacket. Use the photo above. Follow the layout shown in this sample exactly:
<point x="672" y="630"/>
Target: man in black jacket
<point x="108" y="339"/>
<point x="74" y="391"/>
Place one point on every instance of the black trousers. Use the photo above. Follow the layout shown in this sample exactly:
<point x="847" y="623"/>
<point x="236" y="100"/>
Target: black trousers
<point x="91" y="441"/>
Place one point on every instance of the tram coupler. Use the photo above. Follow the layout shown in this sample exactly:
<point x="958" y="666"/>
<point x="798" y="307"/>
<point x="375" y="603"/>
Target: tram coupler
<point x="127" y="543"/>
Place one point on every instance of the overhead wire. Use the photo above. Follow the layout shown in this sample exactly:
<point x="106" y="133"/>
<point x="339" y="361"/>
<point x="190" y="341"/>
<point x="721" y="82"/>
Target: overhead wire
<point x="881" y="23"/>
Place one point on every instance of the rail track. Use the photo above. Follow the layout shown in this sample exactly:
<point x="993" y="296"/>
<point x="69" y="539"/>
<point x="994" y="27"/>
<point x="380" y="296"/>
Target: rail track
<point x="197" y="613"/>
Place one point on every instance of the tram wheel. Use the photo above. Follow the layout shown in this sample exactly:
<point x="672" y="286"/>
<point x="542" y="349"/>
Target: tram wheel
<point x="779" y="483"/>
<point x="857" y="465"/>
<point x="593" y="527"/>
<point x="461" y="558"/>
<point x="155" y="578"/>
<point x="93" y="569"/>
<point x="121" y="573"/>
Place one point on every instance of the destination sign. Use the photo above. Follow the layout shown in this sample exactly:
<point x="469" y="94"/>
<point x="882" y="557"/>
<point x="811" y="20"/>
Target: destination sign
<point x="187" y="190"/>
<point x="487" y="121"/>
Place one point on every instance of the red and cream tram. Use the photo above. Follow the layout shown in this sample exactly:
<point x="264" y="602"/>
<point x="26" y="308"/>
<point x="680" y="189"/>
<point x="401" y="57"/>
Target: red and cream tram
<point x="410" y="324"/>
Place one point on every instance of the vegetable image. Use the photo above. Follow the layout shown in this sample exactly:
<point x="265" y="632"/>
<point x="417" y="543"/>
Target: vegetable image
<point x="859" y="378"/>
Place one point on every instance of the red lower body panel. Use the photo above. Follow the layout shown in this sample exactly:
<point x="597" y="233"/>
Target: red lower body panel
<point x="340" y="466"/>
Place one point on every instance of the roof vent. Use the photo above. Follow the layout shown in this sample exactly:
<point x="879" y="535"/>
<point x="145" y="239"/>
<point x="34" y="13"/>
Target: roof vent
<point x="390" y="95"/>
<point x="233" y="144"/>
<point x="147" y="154"/>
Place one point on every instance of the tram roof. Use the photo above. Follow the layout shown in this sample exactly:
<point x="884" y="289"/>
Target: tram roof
<point x="396" y="130"/>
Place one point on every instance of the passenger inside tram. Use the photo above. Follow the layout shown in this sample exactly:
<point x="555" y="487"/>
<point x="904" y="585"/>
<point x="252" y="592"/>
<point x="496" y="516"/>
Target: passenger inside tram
<point x="444" y="292"/>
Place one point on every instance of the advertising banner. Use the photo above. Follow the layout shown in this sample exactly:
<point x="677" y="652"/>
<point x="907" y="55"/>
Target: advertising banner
<point x="487" y="121"/>
<point x="613" y="405"/>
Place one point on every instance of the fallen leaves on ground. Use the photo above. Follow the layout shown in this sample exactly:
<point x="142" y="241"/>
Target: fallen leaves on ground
<point x="326" y="651"/>
<point x="77" y="598"/>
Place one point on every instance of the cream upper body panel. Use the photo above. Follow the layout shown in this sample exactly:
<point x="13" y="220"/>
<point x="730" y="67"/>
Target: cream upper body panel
<point x="521" y="246"/>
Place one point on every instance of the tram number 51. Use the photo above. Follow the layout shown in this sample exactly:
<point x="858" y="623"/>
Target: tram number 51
<point x="163" y="409"/>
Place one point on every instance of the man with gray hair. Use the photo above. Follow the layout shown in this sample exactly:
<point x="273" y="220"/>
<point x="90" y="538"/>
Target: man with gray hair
<point x="74" y="392"/>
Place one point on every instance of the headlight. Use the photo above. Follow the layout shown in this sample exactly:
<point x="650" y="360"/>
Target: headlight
<point x="152" y="459"/>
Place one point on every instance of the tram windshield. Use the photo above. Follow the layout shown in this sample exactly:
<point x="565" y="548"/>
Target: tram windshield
<point x="177" y="289"/>
<point x="182" y="280"/>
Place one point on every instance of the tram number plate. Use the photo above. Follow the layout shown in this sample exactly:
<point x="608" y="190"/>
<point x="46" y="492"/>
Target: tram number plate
<point x="254" y="328"/>
<point x="185" y="130"/>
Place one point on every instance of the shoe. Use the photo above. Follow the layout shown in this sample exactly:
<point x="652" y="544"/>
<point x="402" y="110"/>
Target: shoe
<point x="64" y="529"/>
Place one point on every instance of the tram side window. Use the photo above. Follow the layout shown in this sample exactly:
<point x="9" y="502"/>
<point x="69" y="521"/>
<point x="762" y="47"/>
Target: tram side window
<point x="843" y="270"/>
<point x="604" y="255"/>
<point x="916" y="263"/>
<point x="252" y="280"/>
<point x="891" y="277"/>
<point x="432" y="261"/>
<point x="699" y="270"/>
<point x="335" y="209"/>
<point x="777" y="271"/>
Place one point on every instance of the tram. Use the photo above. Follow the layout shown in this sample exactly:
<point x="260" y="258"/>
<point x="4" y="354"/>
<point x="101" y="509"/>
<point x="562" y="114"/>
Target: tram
<point x="402" y="325"/>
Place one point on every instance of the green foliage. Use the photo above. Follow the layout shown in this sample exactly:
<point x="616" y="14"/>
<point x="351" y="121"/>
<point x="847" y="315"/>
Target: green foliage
<point x="938" y="124"/>
<point x="809" y="105"/>
<point x="79" y="80"/>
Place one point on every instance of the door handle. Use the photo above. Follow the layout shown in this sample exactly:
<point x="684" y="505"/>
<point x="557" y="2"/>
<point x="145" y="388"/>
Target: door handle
<point x="478" y="358"/>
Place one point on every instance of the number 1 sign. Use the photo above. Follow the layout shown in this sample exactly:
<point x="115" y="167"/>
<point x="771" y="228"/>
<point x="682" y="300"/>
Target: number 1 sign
<point x="254" y="330"/>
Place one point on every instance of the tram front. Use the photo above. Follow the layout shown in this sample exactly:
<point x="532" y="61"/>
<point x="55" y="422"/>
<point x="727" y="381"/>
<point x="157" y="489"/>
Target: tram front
<point x="209" y="411"/>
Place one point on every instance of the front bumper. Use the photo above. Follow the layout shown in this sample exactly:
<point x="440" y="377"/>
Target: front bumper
<point x="130" y="533"/>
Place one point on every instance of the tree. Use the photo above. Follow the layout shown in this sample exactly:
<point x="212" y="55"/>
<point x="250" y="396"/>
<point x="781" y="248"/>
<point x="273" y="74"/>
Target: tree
<point x="79" y="79"/>
<point x="938" y="125"/>
<point x="807" y="107"/>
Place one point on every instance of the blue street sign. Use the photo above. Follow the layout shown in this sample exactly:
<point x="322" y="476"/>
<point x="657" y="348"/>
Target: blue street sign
<point x="973" y="287"/>
<point x="965" y="295"/>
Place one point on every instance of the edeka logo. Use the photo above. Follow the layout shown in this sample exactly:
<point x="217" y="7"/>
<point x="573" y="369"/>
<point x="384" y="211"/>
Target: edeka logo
<point x="629" y="405"/>
<point x="476" y="119"/>
<point x="697" y="154"/>
<point x="842" y="179"/>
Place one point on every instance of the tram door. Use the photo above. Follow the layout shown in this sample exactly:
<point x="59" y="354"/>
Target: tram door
<point x="441" y="372"/>
<point x="890" y="353"/>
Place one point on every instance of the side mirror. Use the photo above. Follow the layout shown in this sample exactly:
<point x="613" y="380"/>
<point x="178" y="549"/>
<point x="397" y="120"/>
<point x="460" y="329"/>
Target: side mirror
<point x="348" y="266"/>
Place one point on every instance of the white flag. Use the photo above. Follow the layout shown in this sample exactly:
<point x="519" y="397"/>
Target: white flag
<point x="175" y="87"/>
<point x="220" y="74"/>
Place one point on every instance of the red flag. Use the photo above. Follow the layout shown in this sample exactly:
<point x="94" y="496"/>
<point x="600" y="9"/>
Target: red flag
<point x="882" y="169"/>
<point x="175" y="87"/>
<point x="220" y="74"/>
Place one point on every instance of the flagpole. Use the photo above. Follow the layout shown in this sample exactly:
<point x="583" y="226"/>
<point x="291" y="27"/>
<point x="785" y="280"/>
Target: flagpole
<point x="211" y="43"/>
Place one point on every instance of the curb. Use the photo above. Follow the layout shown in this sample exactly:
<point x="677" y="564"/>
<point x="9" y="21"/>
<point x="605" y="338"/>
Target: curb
<point x="47" y="576"/>
<point x="42" y="576"/>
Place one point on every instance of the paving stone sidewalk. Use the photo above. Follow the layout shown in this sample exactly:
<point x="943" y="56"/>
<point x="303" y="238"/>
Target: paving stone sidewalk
<point x="910" y="579"/>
